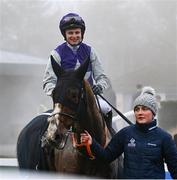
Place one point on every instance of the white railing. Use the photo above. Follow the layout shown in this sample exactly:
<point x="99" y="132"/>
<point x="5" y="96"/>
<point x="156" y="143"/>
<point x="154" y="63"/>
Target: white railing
<point x="8" y="162"/>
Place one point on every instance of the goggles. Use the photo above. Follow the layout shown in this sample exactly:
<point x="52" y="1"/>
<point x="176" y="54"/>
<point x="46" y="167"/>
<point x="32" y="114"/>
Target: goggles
<point x="72" y="18"/>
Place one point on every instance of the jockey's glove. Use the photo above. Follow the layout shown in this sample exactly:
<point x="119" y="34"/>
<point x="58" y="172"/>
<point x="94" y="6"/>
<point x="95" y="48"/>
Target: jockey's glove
<point x="97" y="89"/>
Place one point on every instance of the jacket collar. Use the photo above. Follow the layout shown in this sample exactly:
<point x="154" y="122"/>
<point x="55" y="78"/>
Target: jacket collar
<point x="147" y="127"/>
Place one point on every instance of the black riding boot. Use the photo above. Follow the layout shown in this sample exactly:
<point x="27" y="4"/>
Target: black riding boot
<point x="108" y="119"/>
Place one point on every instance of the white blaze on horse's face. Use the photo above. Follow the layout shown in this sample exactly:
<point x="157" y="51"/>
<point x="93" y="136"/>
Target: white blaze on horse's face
<point x="53" y="122"/>
<point x="56" y="111"/>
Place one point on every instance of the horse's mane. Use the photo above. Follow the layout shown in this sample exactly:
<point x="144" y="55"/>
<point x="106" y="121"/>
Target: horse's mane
<point x="97" y="125"/>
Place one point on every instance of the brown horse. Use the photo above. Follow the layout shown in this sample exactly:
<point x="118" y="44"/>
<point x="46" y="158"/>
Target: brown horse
<point x="74" y="110"/>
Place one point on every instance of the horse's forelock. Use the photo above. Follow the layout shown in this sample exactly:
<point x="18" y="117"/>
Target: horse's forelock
<point x="67" y="92"/>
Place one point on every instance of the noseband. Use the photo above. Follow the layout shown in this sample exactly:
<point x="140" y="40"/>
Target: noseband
<point x="64" y="114"/>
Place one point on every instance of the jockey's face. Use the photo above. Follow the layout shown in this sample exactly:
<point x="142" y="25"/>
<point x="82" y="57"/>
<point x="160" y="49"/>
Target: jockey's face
<point x="143" y="115"/>
<point x="73" y="36"/>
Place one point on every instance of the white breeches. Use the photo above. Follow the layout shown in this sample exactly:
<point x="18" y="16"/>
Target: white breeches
<point x="105" y="107"/>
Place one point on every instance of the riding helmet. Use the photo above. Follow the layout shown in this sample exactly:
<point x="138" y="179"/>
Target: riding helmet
<point x="70" y="21"/>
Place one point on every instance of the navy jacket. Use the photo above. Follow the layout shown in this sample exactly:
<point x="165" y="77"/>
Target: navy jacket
<point x="145" y="148"/>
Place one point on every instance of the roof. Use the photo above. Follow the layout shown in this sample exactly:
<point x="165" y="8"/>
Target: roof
<point x="20" y="64"/>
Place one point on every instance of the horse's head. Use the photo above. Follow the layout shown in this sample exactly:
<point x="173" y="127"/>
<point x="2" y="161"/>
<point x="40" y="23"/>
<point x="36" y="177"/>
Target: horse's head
<point x="66" y="100"/>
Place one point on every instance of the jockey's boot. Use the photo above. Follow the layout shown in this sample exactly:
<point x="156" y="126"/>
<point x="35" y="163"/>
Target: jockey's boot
<point x="108" y="119"/>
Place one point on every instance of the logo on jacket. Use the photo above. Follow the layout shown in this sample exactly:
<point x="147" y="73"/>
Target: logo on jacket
<point x="132" y="143"/>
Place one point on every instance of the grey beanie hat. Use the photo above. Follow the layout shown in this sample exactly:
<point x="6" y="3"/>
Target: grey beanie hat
<point x="147" y="98"/>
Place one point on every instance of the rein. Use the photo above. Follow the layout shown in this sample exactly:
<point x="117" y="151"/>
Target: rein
<point x="79" y="145"/>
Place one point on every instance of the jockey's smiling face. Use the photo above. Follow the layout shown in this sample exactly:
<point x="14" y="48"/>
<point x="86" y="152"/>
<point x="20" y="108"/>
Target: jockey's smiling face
<point x="73" y="36"/>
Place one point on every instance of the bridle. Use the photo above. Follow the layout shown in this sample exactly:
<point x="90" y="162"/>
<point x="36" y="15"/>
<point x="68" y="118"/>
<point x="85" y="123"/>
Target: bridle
<point x="71" y="130"/>
<point x="64" y="114"/>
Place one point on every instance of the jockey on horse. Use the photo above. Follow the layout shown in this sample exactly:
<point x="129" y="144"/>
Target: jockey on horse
<point x="71" y="54"/>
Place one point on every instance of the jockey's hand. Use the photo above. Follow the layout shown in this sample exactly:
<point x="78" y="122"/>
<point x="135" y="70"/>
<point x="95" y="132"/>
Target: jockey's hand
<point x="97" y="89"/>
<point x="86" y="138"/>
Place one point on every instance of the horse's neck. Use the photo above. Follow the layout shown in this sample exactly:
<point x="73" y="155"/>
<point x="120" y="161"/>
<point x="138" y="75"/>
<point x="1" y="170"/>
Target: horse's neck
<point x="96" y="124"/>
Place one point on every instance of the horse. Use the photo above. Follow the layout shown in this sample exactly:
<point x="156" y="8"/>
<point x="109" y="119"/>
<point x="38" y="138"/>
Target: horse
<point x="52" y="142"/>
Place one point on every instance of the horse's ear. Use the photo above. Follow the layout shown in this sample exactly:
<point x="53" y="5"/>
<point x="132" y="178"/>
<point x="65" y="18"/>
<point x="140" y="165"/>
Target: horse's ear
<point x="58" y="70"/>
<point x="81" y="71"/>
